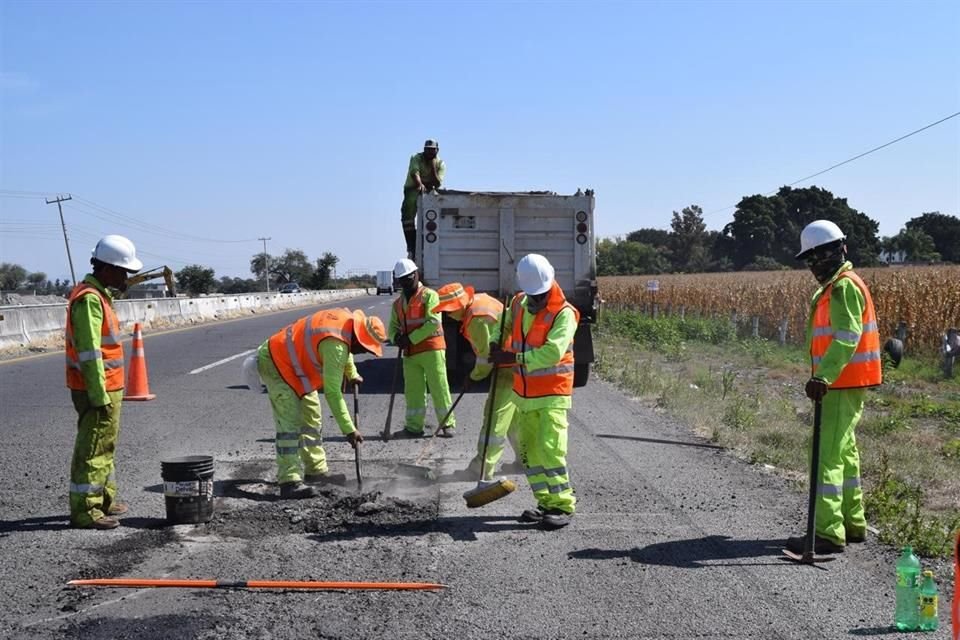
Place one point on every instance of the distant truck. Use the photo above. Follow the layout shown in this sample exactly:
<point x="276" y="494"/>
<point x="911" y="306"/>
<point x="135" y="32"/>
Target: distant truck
<point x="385" y="282"/>
<point x="476" y="238"/>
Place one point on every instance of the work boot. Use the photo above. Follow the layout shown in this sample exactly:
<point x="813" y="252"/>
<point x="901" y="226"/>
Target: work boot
<point x="821" y="546"/>
<point x="405" y="434"/>
<point x="296" y="491"/>
<point x="117" y="509"/>
<point x="555" y="519"/>
<point x="325" y="478"/>
<point x="102" y="524"/>
<point x="856" y="536"/>
<point x="532" y="515"/>
<point x="445" y="432"/>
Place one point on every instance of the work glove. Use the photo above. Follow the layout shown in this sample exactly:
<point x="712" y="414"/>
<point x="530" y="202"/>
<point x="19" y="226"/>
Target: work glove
<point x="815" y="389"/>
<point x="354" y="438"/>
<point x="402" y="340"/>
<point x="355" y="381"/>
<point x="499" y="356"/>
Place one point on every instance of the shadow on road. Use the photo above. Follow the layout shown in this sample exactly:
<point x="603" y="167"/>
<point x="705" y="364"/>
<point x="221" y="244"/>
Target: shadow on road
<point x="693" y="553"/>
<point x="460" y="528"/>
<point x="144" y="523"/>
<point x="874" y="631"/>
<point x="41" y="523"/>
<point x="658" y="441"/>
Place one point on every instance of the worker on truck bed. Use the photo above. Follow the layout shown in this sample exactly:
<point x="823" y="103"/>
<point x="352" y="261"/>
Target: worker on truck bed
<point x="844" y="345"/>
<point x="425" y="173"/>
<point x="95" y="378"/>
<point x="314" y="353"/>
<point x="479" y="317"/>
<point x="541" y="325"/>
<point x="417" y="329"/>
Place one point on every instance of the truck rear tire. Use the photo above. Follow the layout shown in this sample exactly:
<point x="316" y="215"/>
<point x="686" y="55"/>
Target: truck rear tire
<point x="581" y="374"/>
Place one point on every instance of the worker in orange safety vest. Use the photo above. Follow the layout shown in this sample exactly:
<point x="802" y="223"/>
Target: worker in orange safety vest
<point x="845" y="360"/>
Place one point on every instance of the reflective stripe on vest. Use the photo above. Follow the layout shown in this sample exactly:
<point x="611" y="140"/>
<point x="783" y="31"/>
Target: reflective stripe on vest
<point x="552" y="381"/>
<point x="293" y="349"/>
<point x="111" y="349"/>
<point x="414" y="318"/>
<point x="864" y="367"/>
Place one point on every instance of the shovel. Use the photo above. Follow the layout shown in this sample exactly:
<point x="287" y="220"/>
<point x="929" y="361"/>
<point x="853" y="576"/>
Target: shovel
<point x="417" y="470"/>
<point x="808" y="556"/>
<point x="385" y="434"/>
<point x="356" y="423"/>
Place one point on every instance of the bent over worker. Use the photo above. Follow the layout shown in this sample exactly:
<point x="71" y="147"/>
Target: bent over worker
<point x="418" y="331"/>
<point x="313" y="354"/>
<point x="424" y="173"/>
<point x="95" y="377"/>
<point x="541" y="325"/>
<point x="479" y="317"/>
<point x="844" y="345"/>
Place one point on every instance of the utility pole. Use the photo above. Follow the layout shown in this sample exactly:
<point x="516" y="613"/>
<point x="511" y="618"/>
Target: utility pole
<point x="266" y="263"/>
<point x="58" y="200"/>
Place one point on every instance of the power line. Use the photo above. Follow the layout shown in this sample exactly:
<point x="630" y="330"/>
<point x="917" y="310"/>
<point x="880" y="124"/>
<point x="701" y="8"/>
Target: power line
<point x="848" y="160"/>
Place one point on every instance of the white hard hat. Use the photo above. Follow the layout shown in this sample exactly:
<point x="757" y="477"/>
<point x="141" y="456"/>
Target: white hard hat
<point x="534" y="274"/>
<point x="404" y="268"/>
<point x="250" y="373"/>
<point x="818" y="233"/>
<point x="119" y="252"/>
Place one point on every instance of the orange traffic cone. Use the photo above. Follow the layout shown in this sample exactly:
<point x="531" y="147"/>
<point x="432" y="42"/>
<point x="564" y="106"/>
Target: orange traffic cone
<point x="137" y="387"/>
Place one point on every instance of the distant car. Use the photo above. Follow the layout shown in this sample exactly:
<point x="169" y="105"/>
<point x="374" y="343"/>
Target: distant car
<point x="290" y="287"/>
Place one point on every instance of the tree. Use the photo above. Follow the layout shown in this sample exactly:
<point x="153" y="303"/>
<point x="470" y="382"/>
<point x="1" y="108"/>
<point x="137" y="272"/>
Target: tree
<point x="237" y="285"/>
<point x="37" y="279"/>
<point x="323" y="272"/>
<point x="617" y="257"/>
<point x="259" y="265"/>
<point x="916" y="244"/>
<point x="943" y="229"/>
<point x="196" y="279"/>
<point x="769" y="226"/>
<point x="292" y="266"/>
<point x="652" y="237"/>
<point x="11" y="276"/>
<point x="688" y="238"/>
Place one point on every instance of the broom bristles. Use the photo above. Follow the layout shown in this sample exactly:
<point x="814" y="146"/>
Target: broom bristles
<point x="487" y="492"/>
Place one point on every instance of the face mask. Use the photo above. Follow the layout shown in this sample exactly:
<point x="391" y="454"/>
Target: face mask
<point x="824" y="266"/>
<point x="536" y="303"/>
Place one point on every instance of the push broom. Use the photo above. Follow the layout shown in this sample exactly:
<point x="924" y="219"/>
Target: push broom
<point x="486" y="492"/>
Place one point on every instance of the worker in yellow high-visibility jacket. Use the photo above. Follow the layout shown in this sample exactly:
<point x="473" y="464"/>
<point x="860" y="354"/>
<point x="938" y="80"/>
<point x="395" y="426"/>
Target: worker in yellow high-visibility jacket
<point x="479" y="317"/>
<point x="95" y="377"/>
<point x="418" y="331"/>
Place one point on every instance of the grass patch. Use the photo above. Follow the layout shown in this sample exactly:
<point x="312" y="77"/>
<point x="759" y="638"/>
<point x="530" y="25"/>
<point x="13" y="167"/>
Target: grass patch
<point x="747" y="395"/>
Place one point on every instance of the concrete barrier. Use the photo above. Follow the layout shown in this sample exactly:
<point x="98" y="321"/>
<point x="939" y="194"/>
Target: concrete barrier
<point x="25" y="325"/>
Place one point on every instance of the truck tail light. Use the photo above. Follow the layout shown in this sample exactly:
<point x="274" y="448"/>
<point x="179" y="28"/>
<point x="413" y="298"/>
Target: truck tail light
<point x="581" y="216"/>
<point x="581" y="227"/>
<point x="431" y="237"/>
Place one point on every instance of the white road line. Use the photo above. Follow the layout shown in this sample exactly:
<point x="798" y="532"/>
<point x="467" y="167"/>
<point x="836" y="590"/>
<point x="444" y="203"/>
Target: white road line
<point x="219" y="362"/>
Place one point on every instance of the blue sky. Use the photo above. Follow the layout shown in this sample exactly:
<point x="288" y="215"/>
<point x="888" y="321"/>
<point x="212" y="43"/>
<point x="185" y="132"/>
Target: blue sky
<point x="232" y="121"/>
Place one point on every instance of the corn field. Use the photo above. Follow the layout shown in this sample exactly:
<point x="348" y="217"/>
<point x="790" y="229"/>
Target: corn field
<point x="926" y="299"/>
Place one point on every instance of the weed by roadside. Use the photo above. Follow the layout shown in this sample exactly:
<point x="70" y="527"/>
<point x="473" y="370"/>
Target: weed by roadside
<point x="746" y="394"/>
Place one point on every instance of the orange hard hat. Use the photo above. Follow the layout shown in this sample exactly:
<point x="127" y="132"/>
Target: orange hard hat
<point x="454" y="297"/>
<point x="369" y="331"/>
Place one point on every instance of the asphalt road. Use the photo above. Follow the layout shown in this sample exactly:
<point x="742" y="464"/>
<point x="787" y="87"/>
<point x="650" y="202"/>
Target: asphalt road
<point x="673" y="537"/>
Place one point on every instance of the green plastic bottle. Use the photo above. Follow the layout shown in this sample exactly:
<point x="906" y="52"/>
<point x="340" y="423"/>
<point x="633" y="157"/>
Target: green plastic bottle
<point x="929" y="619"/>
<point x="906" y="617"/>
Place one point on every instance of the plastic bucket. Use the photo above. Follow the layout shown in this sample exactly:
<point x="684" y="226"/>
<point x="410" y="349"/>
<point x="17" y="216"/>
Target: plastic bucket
<point x="188" y="489"/>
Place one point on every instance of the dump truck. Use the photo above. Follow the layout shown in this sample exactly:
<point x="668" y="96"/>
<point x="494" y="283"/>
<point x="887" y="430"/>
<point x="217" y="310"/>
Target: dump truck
<point x="476" y="238"/>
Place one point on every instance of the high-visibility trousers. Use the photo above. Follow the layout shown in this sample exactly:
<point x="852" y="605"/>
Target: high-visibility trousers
<point x="544" y="436"/>
<point x="299" y="443"/>
<point x="839" y="495"/>
<point x="503" y="427"/>
<point x="93" y="484"/>
<point x="427" y="370"/>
